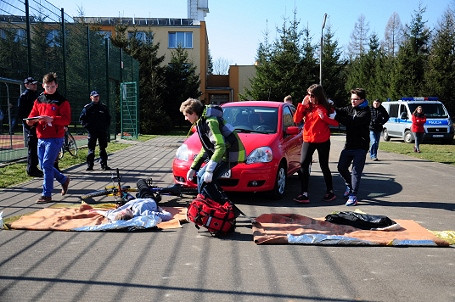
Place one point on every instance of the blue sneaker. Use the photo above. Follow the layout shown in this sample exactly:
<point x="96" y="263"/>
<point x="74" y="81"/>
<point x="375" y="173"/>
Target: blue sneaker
<point x="352" y="200"/>
<point x="347" y="192"/>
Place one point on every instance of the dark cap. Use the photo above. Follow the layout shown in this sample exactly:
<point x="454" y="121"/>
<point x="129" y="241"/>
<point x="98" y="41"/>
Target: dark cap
<point x="94" y="93"/>
<point x="30" y="80"/>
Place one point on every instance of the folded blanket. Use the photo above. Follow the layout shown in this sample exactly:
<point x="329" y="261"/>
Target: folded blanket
<point x="84" y="218"/>
<point x="298" y="229"/>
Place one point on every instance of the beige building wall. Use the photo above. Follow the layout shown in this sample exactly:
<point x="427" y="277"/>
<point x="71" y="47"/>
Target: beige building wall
<point x="161" y="36"/>
<point x="198" y="55"/>
<point x="239" y="79"/>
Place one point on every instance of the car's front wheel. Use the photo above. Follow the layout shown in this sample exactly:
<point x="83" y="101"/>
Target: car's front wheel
<point x="408" y="137"/>
<point x="385" y="135"/>
<point x="280" y="182"/>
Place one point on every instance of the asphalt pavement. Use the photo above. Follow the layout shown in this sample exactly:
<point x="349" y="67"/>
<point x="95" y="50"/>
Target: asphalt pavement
<point x="190" y="265"/>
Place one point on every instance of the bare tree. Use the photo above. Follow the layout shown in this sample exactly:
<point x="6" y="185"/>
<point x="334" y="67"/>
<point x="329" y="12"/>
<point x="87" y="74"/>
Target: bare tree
<point x="359" y="38"/>
<point x="393" y="35"/>
<point x="221" y="66"/>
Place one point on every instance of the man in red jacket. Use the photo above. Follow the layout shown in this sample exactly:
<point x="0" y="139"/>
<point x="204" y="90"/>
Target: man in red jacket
<point x="50" y="114"/>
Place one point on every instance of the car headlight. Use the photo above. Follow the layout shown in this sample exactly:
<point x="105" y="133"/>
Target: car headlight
<point x="182" y="152"/>
<point x="260" y="155"/>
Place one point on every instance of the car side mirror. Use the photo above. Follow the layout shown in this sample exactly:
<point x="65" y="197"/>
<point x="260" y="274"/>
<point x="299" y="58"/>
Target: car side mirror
<point x="292" y="130"/>
<point x="404" y="116"/>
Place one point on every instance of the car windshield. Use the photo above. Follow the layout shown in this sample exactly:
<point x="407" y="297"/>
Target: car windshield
<point x="252" y="119"/>
<point x="431" y="110"/>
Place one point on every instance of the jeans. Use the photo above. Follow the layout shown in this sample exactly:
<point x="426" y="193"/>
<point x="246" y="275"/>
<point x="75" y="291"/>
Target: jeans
<point x="418" y="137"/>
<point x="357" y="158"/>
<point x="48" y="149"/>
<point x="212" y="190"/>
<point x="374" y="143"/>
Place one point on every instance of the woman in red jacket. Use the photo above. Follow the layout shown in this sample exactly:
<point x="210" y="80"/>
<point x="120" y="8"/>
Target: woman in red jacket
<point x="418" y="120"/>
<point x="317" y="113"/>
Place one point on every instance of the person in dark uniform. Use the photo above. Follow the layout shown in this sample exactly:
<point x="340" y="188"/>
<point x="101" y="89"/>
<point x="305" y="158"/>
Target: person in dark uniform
<point x="25" y="105"/>
<point x="96" y="119"/>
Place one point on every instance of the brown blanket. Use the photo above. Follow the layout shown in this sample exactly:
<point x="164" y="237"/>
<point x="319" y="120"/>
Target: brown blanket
<point x="64" y="219"/>
<point x="292" y="228"/>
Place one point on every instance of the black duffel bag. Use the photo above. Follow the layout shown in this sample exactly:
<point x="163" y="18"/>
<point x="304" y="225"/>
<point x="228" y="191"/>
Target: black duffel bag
<point x="359" y="220"/>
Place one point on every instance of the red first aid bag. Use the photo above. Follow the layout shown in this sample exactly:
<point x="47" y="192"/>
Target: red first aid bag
<point x="218" y="219"/>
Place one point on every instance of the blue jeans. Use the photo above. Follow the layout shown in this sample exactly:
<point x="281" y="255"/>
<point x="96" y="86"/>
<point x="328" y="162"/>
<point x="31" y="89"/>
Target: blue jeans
<point x="211" y="189"/>
<point x="48" y="149"/>
<point x="418" y="137"/>
<point x="357" y="158"/>
<point x="374" y="143"/>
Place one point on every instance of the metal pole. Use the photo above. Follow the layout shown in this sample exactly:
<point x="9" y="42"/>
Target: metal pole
<point x="320" y="49"/>
<point x="65" y="86"/>
<point x="88" y="60"/>
<point x="29" y="40"/>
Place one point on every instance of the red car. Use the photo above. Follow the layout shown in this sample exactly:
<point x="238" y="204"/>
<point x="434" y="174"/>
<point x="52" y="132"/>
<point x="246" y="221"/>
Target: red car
<point x="272" y="141"/>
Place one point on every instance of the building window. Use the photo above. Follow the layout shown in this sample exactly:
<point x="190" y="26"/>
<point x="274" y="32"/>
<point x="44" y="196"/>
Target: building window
<point x="105" y="33"/>
<point x="142" y="36"/>
<point x="20" y="35"/>
<point x="52" y="38"/>
<point x="183" y="39"/>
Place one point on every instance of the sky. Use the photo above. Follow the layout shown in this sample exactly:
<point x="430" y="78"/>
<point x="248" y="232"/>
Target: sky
<point x="236" y="27"/>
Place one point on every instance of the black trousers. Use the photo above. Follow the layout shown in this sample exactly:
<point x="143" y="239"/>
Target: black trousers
<point x="102" y="142"/>
<point x="32" y="154"/>
<point x="305" y="162"/>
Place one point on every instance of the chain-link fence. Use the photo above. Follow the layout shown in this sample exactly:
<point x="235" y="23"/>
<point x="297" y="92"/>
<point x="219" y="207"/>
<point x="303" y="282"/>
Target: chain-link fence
<point x="36" y="38"/>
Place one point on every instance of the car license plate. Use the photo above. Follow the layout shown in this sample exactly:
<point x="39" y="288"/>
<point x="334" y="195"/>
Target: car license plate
<point x="227" y="174"/>
<point x="438" y="135"/>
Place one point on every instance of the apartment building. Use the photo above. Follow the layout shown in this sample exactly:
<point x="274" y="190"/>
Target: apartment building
<point x="191" y="34"/>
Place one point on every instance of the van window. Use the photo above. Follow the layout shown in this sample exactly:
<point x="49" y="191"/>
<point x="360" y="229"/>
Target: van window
<point x="403" y="109"/>
<point x="431" y="110"/>
<point x="393" y="110"/>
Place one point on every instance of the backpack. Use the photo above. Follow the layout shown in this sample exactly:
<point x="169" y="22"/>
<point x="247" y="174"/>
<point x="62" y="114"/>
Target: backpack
<point x="218" y="219"/>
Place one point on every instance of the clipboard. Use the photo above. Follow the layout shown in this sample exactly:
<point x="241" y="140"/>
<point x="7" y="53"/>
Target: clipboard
<point x="32" y="118"/>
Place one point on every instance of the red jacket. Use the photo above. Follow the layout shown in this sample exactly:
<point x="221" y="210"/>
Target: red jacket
<point x="417" y="123"/>
<point x="315" y="129"/>
<point x="54" y="105"/>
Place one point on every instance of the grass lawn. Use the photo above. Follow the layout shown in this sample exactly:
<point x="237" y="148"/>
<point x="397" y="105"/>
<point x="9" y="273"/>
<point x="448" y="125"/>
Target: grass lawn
<point x="430" y="151"/>
<point x="15" y="173"/>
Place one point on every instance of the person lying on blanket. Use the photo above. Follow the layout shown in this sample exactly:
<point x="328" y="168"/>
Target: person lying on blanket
<point x="137" y="207"/>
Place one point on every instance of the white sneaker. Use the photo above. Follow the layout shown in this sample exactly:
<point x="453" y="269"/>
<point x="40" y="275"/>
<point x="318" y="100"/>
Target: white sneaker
<point x="352" y="200"/>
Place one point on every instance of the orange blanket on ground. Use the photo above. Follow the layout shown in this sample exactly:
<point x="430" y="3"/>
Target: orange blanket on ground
<point x="65" y="219"/>
<point x="298" y="229"/>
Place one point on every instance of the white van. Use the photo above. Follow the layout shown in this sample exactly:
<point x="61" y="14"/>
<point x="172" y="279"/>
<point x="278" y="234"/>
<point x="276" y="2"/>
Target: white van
<point x="438" y="126"/>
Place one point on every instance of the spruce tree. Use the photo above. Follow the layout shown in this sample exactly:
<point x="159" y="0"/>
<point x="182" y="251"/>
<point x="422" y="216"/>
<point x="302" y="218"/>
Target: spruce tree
<point x="151" y="79"/>
<point x="408" y="77"/>
<point x="280" y="69"/>
<point x="440" y="74"/>
<point x="333" y="68"/>
<point x="182" y="82"/>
